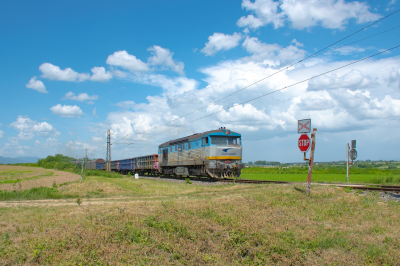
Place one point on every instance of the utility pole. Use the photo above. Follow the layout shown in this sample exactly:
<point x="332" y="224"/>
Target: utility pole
<point x="348" y="153"/>
<point x="108" y="161"/>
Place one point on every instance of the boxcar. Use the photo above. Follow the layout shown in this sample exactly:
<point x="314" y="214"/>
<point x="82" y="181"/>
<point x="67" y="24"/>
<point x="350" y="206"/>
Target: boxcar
<point x="93" y="164"/>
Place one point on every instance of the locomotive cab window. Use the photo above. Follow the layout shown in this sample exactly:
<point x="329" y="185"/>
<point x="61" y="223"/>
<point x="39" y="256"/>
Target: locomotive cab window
<point x="205" y="141"/>
<point x="223" y="141"/>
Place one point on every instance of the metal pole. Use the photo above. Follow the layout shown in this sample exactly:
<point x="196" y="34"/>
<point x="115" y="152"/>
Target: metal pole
<point x="311" y="160"/>
<point x="82" y="169"/>
<point x="348" y="151"/>
<point x="108" y="164"/>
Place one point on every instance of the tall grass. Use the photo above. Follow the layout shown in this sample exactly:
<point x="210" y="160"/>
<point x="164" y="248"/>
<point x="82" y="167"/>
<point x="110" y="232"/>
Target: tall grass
<point x="101" y="173"/>
<point x="33" y="194"/>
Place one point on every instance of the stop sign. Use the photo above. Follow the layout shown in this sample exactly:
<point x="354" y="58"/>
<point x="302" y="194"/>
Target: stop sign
<point x="304" y="143"/>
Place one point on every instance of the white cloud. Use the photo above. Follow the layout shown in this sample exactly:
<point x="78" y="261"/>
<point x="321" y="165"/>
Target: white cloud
<point x="163" y="56"/>
<point x="298" y="44"/>
<point x="127" y="61"/>
<point x="81" y="97"/>
<point x="126" y="104"/>
<point x="266" y="12"/>
<point x="100" y="74"/>
<point x="353" y="80"/>
<point x="174" y="86"/>
<point x="271" y="54"/>
<point x="219" y="41"/>
<point x="66" y="110"/>
<point x="26" y="136"/>
<point x="332" y="14"/>
<point x="51" y="71"/>
<point x="98" y="139"/>
<point x="1" y="134"/>
<point x="94" y="112"/>
<point x="36" y="85"/>
<point x="394" y="77"/>
<point x="25" y="126"/>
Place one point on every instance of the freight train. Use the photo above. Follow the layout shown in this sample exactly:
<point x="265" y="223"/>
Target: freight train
<point x="212" y="154"/>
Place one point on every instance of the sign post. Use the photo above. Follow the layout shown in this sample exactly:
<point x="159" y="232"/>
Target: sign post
<point x="351" y="154"/>
<point x="310" y="167"/>
<point x="304" y="127"/>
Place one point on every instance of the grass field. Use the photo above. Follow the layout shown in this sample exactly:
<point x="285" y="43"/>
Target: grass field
<point x="324" y="175"/>
<point x="176" y="223"/>
<point x="118" y="220"/>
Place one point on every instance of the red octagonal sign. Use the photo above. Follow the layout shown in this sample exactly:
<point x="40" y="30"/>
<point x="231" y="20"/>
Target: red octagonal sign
<point x="304" y="142"/>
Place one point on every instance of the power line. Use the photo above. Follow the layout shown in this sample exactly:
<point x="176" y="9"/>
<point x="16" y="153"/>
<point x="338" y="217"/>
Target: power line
<point x="285" y="68"/>
<point x="266" y="94"/>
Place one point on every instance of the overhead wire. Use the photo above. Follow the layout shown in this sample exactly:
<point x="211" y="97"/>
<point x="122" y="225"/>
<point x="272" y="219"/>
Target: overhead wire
<point x="283" y="69"/>
<point x="283" y="88"/>
<point x="294" y="84"/>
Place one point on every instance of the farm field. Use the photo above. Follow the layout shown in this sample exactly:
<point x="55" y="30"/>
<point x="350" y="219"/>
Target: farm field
<point x="331" y="175"/>
<point x="150" y="222"/>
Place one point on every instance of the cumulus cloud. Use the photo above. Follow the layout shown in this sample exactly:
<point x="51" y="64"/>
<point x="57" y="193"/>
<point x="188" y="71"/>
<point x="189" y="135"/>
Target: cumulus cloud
<point x="100" y="74"/>
<point x="98" y="139"/>
<point x="1" y="134"/>
<point x="26" y="126"/>
<point x="394" y="77"/>
<point x="53" y="72"/>
<point x="126" y="104"/>
<point x="36" y="85"/>
<point x="162" y="56"/>
<point x="127" y="61"/>
<point x="172" y="86"/>
<point x="266" y="12"/>
<point x="66" y="110"/>
<point x="81" y="97"/>
<point x="25" y="136"/>
<point x="271" y="54"/>
<point x="353" y="80"/>
<point x="301" y="14"/>
<point x="219" y="41"/>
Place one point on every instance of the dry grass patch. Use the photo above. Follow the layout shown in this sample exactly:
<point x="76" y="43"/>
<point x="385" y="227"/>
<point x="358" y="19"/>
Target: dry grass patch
<point x="232" y="224"/>
<point x="22" y="178"/>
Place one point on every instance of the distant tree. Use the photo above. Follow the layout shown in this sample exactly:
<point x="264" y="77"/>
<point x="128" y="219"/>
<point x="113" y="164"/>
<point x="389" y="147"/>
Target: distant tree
<point x="260" y="162"/>
<point x="250" y="163"/>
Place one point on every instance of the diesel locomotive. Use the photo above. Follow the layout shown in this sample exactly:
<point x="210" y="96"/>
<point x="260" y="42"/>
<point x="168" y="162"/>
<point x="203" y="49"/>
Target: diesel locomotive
<point x="216" y="154"/>
<point x="212" y="154"/>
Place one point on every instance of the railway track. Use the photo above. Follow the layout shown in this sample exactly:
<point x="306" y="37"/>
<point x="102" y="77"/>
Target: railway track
<point x="383" y="188"/>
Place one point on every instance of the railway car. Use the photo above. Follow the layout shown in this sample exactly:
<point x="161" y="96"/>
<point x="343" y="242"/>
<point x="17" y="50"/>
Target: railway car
<point x="146" y="164"/>
<point x="93" y="164"/>
<point x="214" y="154"/>
<point x="126" y="165"/>
<point x="115" y="166"/>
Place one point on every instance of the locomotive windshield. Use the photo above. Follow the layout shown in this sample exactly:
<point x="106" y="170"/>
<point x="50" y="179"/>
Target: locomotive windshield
<point x="224" y="141"/>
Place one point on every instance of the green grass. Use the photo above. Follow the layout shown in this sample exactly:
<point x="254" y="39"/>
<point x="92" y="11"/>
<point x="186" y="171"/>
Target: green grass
<point x="325" y="178"/>
<point x="13" y="181"/>
<point x="223" y="225"/>
<point x="100" y="173"/>
<point x="323" y="175"/>
<point x="33" y="194"/>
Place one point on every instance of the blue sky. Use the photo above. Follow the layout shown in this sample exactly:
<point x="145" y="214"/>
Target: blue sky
<point x="71" y="70"/>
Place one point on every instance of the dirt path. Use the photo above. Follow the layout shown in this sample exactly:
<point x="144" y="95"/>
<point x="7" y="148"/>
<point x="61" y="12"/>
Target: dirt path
<point x="59" y="177"/>
<point x="66" y="202"/>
